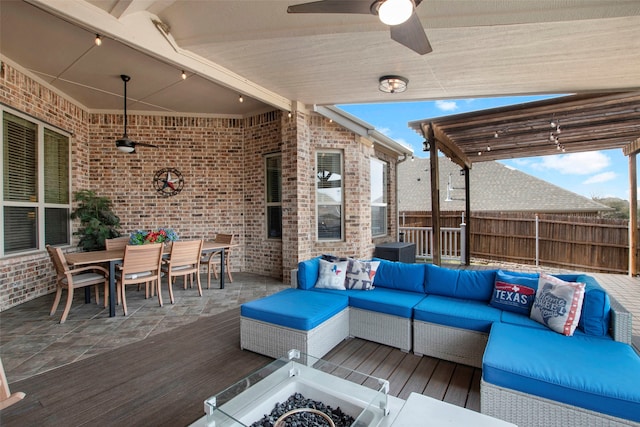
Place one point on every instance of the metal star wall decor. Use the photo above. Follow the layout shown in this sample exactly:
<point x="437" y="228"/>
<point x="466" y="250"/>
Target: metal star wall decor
<point x="168" y="182"/>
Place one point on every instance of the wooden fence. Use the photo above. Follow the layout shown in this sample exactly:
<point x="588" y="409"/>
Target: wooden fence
<point x="564" y="241"/>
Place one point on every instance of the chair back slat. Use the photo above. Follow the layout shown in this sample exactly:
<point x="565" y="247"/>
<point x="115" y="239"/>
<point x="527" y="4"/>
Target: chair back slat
<point x="58" y="259"/>
<point x="185" y="253"/>
<point x="116" y="242"/>
<point x="142" y="258"/>
<point x="224" y="238"/>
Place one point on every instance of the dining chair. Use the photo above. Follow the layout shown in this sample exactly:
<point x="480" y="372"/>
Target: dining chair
<point x="211" y="259"/>
<point x="6" y="397"/>
<point x="72" y="278"/>
<point x="140" y="264"/>
<point x="184" y="260"/>
<point x="116" y="242"/>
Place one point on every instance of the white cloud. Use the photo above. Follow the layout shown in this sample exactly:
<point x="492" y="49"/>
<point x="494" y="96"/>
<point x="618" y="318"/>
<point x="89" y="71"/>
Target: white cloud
<point x="385" y="131"/>
<point x="574" y="163"/>
<point x="601" y="177"/>
<point x="447" y="105"/>
<point x="521" y="162"/>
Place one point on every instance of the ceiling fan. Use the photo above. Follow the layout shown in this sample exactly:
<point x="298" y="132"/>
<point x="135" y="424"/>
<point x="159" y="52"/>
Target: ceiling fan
<point x="400" y="15"/>
<point x="125" y="144"/>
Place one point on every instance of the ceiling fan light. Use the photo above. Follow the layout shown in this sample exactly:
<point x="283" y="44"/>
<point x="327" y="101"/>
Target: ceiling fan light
<point x="395" y="12"/>
<point x="393" y="84"/>
<point x="125" y="145"/>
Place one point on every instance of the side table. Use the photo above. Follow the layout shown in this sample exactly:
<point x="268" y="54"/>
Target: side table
<point x="397" y="251"/>
<point x="442" y="414"/>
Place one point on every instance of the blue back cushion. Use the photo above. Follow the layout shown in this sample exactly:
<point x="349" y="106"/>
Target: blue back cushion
<point x="464" y="284"/>
<point x="399" y="275"/>
<point x="308" y="273"/>
<point x="596" y="306"/>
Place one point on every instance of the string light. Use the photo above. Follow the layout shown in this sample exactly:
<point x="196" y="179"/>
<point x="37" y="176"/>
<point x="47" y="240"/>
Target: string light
<point x="289" y="115"/>
<point x="183" y="75"/>
<point x="98" y="40"/>
<point x="240" y="99"/>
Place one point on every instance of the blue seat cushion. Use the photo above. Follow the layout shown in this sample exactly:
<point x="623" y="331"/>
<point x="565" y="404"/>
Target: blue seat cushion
<point x="295" y="308"/>
<point x="388" y="301"/>
<point x="589" y="372"/>
<point x="457" y="313"/>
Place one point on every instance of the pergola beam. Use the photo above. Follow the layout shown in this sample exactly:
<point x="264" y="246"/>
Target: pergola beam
<point x="588" y="122"/>
<point x="631" y="150"/>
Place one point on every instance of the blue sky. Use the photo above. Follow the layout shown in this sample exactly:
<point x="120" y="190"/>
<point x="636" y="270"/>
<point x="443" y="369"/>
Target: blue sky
<point x="592" y="174"/>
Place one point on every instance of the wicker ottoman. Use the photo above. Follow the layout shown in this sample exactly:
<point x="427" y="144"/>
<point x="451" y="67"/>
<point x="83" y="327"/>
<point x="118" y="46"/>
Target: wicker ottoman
<point x="311" y="322"/>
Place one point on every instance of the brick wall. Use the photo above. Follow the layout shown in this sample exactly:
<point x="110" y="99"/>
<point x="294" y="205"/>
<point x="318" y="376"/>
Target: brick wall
<point x="222" y="162"/>
<point x="23" y="278"/>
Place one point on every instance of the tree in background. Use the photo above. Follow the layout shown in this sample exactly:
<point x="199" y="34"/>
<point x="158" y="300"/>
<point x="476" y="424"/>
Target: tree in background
<point x="621" y="207"/>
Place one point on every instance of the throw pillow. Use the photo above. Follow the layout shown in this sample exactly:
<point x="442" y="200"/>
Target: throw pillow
<point x="514" y="293"/>
<point x="331" y="275"/>
<point x="558" y="304"/>
<point x="360" y="274"/>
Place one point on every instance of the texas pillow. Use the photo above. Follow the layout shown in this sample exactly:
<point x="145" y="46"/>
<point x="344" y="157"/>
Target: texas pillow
<point x="514" y="292"/>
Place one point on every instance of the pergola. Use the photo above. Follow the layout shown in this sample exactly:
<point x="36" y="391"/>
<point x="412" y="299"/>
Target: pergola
<point x="569" y="124"/>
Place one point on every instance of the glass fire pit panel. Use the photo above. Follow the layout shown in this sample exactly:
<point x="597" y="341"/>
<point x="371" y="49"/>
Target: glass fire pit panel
<point x="361" y="396"/>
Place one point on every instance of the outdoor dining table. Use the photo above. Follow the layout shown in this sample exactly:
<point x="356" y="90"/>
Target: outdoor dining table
<point x="115" y="256"/>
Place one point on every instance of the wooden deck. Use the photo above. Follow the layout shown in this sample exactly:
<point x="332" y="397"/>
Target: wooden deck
<point x="164" y="379"/>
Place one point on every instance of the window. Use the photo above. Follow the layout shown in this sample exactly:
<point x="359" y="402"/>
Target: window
<point x="329" y="195"/>
<point x="274" y="196"/>
<point x="35" y="185"/>
<point x="378" y="198"/>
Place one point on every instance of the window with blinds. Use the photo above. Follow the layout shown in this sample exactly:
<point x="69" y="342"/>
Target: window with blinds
<point x="329" y="200"/>
<point x="379" y="185"/>
<point x="273" y="181"/>
<point x="35" y="185"/>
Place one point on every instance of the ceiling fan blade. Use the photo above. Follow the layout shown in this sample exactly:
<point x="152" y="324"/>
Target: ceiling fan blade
<point x="411" y="34"/>
<point x="333" y="6"/>
<point x="144" y="144"/>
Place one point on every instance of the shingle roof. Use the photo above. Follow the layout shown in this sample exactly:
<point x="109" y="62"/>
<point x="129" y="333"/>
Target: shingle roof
<point x="494" y="187"/>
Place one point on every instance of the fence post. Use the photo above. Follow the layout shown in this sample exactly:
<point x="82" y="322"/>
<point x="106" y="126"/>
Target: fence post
<point x="537" y="240"/>
<point x="463" y="243"/>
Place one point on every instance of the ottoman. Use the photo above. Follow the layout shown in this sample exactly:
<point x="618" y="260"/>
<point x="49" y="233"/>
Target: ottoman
<point x="311" y="322"/>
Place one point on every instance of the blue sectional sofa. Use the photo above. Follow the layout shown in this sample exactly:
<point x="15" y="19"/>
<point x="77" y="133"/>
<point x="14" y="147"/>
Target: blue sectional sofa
<point x="531" y="375"/>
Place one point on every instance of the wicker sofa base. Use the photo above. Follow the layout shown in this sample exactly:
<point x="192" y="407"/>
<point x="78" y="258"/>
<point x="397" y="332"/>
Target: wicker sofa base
<point x="382" y="328"/>
<point x="448" y="343"/>
<point x="275" y="341"/>
<point x="526" y="410"/>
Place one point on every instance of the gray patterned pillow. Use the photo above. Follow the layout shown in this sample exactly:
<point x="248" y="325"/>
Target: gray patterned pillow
<point x="558" y="304"/>
<point x="360" y="274"/>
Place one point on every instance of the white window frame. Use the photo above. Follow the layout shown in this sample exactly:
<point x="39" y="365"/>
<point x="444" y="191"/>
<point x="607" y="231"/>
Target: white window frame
<point x="384" y="180"/>
<point x="339" y="204"/>
<point x="267" y="203"/>
<point x="40" y="205"/>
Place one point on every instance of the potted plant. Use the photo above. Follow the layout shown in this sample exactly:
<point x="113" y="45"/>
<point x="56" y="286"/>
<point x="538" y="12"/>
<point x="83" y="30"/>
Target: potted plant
<point x="97" y="220"/>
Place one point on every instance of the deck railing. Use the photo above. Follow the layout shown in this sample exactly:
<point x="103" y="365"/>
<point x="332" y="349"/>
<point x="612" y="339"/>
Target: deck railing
<point x="452" y="242"/>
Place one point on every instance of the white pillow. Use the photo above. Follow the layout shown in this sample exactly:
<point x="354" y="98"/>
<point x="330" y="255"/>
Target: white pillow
<point x="558" y="304"/>
<point x="331" y="275"/>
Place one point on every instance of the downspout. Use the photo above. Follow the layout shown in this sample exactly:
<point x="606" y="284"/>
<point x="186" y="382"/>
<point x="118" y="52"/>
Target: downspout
<point x="398" y="161"/>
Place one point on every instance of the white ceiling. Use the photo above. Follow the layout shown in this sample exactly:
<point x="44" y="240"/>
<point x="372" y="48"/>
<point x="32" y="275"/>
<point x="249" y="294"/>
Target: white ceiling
<point x="480" y="48"/>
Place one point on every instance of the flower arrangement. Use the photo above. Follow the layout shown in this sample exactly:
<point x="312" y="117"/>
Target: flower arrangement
<point x="160" y="235"/>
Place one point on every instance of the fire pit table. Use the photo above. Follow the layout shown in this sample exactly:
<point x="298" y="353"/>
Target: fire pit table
<point x="362" y="397"/>
<point x="269" y="396"/>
